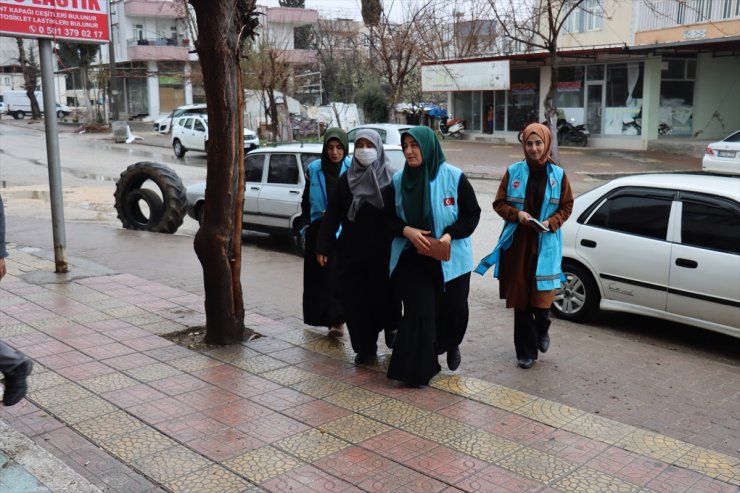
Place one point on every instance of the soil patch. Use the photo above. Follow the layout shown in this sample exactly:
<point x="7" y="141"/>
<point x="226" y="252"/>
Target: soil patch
<point x="193" y="338"/>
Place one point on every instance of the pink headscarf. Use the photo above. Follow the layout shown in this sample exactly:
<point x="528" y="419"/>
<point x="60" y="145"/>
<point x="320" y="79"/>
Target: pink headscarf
<point x="543" y="132"/>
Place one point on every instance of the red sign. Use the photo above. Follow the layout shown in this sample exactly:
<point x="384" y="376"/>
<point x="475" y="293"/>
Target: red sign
<point x="78" y="20"/>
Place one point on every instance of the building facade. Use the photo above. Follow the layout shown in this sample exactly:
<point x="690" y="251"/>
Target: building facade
<point x="632" y="75"/>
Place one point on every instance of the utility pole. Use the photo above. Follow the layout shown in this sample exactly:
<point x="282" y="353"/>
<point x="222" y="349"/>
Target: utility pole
<point x="113" y="89"/>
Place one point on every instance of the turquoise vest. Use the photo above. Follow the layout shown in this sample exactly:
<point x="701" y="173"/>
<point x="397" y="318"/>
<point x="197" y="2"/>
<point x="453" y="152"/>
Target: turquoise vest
<point x="317" y="190"/>
<point x="549" y="259"/>
<point x="443" y="195"/>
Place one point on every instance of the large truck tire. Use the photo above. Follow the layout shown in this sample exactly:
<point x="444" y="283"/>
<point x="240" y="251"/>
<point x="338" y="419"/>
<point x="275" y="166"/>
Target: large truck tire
<point x="166" y="212"/>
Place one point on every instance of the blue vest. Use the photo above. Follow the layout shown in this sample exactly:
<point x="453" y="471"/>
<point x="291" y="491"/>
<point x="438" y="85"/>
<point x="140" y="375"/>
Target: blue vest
<point x="549" y="259"/>
<point x="317" y="190"/>
<point x="443" y="195"/>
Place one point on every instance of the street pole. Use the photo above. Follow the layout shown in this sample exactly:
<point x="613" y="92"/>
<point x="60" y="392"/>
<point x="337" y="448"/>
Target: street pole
<point x="52" y="157"/>
<point x="113" y="91"/>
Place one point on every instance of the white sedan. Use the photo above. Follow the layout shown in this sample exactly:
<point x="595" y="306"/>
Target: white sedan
<point x="723" y="156"/>
<point x="664" y="245"/>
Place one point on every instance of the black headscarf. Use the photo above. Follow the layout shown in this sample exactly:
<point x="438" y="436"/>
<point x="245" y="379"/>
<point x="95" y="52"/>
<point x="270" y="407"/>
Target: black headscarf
<point x="331" y="170"/>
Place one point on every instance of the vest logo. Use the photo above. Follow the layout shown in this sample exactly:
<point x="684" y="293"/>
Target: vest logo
<point x="449" y="201"/>
<point x="516" y="184"/>
<point x="552" y="182"/>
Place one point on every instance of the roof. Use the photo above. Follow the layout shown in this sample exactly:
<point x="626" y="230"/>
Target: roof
<point x="726" y="186"/>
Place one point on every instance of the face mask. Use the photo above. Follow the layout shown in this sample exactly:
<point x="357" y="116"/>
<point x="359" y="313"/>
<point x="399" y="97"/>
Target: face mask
<point x="366" y="155"/>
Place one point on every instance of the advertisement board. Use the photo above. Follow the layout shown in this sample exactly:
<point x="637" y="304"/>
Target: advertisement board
<point x="474" y="76"/>
<point x="83" y="21"/>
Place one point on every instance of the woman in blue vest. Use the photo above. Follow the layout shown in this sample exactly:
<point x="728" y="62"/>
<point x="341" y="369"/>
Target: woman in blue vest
<point x="363" y="249"/>
<point x="432" y="199"/>
<point x="322" y="304"/>
<point x="528" y="259"/>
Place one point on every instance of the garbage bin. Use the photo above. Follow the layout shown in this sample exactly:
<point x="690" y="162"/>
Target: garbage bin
<point x="120" y="131"/>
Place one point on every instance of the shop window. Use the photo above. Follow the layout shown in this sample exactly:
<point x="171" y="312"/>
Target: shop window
<point x="569" y="94"/>
<point x="677" y="96"/>
<point x="623" y="102"/>
<point x="523" y="104"/>
<point x="467" y="106"/>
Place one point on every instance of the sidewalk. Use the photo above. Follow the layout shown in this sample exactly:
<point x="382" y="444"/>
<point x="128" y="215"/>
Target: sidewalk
<point x="133" y="412"/>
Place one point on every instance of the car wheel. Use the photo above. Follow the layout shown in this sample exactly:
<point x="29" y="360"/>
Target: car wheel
<point x="60" y="114"/>
<point x="178" y="148"/>
<point x="578" y="298"/>
<point x="171" y="199"/>
<point x="198" y="212"/>
<point x="19" y="115"/>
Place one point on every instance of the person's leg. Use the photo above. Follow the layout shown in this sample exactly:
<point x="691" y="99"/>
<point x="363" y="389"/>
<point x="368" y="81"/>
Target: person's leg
<point x="525" y="337"/>
<point x="16" y="367"/>
<point x="542" y="326"/>
<point x="453" y="318"/>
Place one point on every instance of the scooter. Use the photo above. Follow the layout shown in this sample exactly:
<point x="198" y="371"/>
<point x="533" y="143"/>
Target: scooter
<point x="572" y="134"/>
<point x="451" y="128"/>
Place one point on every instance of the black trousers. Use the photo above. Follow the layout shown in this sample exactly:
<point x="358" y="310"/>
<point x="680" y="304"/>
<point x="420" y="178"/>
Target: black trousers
<point x="529" y="326"/>
<point x="435" y="317"/>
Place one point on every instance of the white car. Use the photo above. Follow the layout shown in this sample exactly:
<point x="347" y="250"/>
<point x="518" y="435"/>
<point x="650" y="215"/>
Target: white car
<point x="663" y="245"/>
<point x="162" y="124"/>
<point x="275" y="179"/>
<point x="390" y="133"/>
<point x="723" y="156"/>
<point x="191" y="134"/>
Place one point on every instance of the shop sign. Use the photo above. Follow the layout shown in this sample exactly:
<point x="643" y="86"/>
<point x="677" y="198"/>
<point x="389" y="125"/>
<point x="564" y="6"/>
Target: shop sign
<point x="695" y="34"/>
<point x="523" y="88"/>
<point x="473" y="76"/>
<point x="78" y="20"/>
<point x="572" y="86"/>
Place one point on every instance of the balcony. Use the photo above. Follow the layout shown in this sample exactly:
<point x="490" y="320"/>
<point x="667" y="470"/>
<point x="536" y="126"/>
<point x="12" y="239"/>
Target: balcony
<point x="292" y="16"/>
<point x="157" y="49"/>
<point x="169" y="9"/>
<point x="664" y="21"/>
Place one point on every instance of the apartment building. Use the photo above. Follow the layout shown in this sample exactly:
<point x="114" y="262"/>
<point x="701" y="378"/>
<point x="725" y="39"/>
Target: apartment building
<point x="633" y="70"/>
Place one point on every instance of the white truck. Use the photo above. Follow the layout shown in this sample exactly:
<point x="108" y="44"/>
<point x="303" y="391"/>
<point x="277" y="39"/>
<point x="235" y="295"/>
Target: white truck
<point x="18" y="105"/>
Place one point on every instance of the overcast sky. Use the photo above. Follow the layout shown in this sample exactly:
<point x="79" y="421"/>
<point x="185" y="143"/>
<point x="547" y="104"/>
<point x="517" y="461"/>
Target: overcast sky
<point x="347" y="8"/>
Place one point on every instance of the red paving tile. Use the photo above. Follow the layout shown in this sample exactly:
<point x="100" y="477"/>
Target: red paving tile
<point x="63" y="333"/>
<point x="272" y="427"/>
<point x="282" y="399"/>
<point x="675" y="480"/>
<point x="62" y="360"/>
<point x="473" y="413"/>
<point x="87" y="341"/>
<point x="430" y="399"/>
<point x="181" y="384"/>
<point x="130" y="361"/>
<point x="446" y="465"/>
<point x="133" y="396"/>
<point x="225" y="444"/>
<point x="355" y="464"/>
<point x="156" y="411"/>
<point x="147" y="342"/>
<point x="308" y="479"/>
<point x="317" y="412"/>
<point x="633" y="468"/>
<point x="107" y="351"/>
<point x="494" y="479"/>
<point x="398" y="445"/>
<point x="85" y="371"/>
<point x="569" y="446"/>
<point x="205" y="397"/>
<point x="237" y="413"/>
<point x="126" y="333"/>
<point x="169" y="353"/>
<point x="190" y="427"/>
<point x="400" y="478"/>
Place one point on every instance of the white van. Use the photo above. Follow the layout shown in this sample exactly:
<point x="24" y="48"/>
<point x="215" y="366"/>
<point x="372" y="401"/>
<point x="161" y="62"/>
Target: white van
<point x="18" y="105"/>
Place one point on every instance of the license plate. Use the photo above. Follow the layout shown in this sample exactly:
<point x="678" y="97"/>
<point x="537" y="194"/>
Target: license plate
<point x="726" y="154"/>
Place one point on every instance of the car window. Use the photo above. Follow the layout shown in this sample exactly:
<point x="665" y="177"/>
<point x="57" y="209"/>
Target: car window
<point x="283" y="168"/>
<point x="396" y="158"/>
<point x="253" y="168"/>
<point x="733" y="138"/>
<point x="713" y="226"/>
<point x="307" y="159"/>
<point x="187" y="123"/>
<point x="351" y="134"/>
<point x="199" y="126"/>
<point x="634" y="214"/>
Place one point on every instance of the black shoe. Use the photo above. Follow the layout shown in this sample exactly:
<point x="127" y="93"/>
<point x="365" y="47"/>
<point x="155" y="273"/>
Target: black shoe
<point x="525" y="363"/>
<point x="390" y="338"/>
<point x="364" y="358"/>
<point x="543" y="343"/>
<point x="16" y="383"/>
<point x="453" y="358"/>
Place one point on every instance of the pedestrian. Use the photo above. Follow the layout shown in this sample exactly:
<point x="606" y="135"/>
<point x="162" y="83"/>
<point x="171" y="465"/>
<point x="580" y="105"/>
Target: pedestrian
<point x="363" y="249"/>
<point x="434" y="212"/>
<point x="14" y="365"/>
<point x="489" y="119"/>
<point x="322" y="304"/>
<point x="534" y="199"/>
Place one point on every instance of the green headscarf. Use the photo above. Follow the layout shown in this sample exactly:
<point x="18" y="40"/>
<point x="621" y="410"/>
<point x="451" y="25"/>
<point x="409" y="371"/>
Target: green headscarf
<point x="331" y="170"/>
<point x="415" y="181"/>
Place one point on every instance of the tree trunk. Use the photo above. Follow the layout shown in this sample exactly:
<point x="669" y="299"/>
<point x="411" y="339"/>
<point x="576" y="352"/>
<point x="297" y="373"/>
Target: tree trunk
<point x="86" y="95"/>
<point x="29" y="79"/>
<point x="218" y="241"/>
<point x="551" y="112"/>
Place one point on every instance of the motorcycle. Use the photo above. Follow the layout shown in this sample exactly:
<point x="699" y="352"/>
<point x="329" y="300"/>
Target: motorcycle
<point x="572" y="134"/>
<point x="451" y="128"/>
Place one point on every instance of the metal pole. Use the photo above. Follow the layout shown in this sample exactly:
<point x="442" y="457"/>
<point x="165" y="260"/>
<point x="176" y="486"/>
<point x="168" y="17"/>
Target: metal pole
<point x="113" y="92"/>
<point x="52" y="157"/>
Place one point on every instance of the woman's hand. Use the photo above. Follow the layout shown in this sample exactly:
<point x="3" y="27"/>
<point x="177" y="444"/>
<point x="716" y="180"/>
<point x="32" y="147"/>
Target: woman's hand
<point x="417" y="237"/>
<point x="322" y="259"/>
<point x="446" y="238"/>
<point x="523" y="217"/>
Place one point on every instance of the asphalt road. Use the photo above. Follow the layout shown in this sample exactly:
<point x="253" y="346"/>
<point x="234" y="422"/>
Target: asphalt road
<point x="670" y="378"/>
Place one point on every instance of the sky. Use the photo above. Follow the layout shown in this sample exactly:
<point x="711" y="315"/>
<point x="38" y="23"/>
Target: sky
<point x="347" y="8"/>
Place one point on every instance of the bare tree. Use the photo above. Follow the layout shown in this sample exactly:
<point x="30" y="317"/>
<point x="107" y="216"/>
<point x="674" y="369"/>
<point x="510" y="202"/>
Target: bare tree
<point x="267" y="73"/>
<point x="31" y="71"/>
<point x="80" y="55"/>
<point x="340" y="59"/>
<point x="537" y="25"/>
<point x="223" y="25"/>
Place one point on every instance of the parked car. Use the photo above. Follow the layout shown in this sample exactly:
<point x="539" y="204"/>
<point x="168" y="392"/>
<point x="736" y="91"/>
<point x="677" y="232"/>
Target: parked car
<point x="191" y="134"/>
<point x="723" y="156"/>
<point x="390" y="133"/>
<point x="663" y="245"/>
<point x="275" y="179"/>
<point x="163" y="124"/>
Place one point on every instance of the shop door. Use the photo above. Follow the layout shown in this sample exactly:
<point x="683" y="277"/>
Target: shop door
<point x="594" y="106"/>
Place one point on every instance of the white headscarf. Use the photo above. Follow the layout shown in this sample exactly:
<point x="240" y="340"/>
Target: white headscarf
<point x="365" y="182"/>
